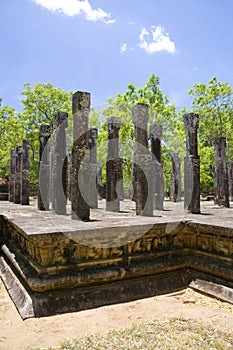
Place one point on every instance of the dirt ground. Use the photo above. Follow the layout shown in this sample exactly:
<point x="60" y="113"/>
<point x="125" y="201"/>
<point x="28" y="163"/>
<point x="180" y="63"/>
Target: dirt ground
<point x="16" y="334"/>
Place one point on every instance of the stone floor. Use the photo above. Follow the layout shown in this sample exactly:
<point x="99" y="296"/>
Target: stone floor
<point x="33" y="221"/>
<point x="112" y="230"/>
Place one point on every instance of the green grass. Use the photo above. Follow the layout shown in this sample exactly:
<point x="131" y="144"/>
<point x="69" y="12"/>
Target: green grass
<point x="165" y="335"/>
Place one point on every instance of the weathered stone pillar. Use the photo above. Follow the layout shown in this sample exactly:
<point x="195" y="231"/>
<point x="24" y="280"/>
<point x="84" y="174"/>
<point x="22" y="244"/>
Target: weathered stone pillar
<point x="60" y="162"/>
<point x="113" y="166"/>
<point x="93" y="195"/>
<point x="142" y="162"/>
<point x="221" y="191"/>
<point x="44" y="168"/>
<point x="12" y="175"/>
<point x="120" y="183"/>
<point x="175" y="185"/>
<point x="69" y="182"/>
<point x="191" y="164"/>
<point x="101" y="188"/>
<point x="230" y="180"/>
<point x="18" y="175"/>
<point x="156" y="133"/>
<point x="52" y="175"/>
<point x="80" y="177"/>
<point x="99" y="174"/>
<point x="25" y="190"/>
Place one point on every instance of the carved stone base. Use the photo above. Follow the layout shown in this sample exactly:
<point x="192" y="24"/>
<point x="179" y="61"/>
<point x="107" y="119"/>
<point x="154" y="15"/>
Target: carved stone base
<point x="76" y="299"/>
<point x="51" y="272"/>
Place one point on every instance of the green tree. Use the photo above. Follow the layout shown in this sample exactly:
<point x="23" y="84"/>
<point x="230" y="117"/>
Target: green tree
<point x="11" y="134"/>
<point x="160" y="111"/>
<point x="40" y="104"/>
<point x="214" y="104"/>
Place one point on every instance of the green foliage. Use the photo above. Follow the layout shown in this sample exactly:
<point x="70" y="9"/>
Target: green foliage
<point x="160" y="111"/>
<point x="40" y="105"/>
<point x="214" y="104"/>
<point x="212" y="101"/>
<point x="11" y="135"/>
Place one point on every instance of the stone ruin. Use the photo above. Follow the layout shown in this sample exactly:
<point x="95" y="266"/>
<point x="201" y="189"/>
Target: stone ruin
<point x="83" y="184"/>
<point x="19" y="175"/>
<point x="191" y="165"/>
<point x="47" y="270"/>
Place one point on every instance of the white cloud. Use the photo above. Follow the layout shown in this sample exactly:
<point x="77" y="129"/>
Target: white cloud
<point x="76" y="7"/>
<point x="155" y="41"/>
<point x="124" y="47"/>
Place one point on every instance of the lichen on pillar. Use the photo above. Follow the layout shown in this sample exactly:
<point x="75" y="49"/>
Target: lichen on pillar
<point x="142" y="162"/>
<point x="221" y="189"/>
<point x="12" y="175"/>
<point x="156" y="134"/>
<point x="191" y="164"/>
<point x="230" y="180"/>
<point x="80" y="176"/>
<point x="25" y="190"/>
<point x="18" y="175"/>
<point x="60" y="163"/>
<point x="175" y="183"/>
<point x="93" y="192"/>
<point x="44" y="168"/>
<point x="113" y="166"/>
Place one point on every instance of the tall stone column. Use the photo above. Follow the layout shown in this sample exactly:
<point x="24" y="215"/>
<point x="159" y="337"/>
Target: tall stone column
<point x="12" y="175"/>
<point x="44" y="168"/>
<point x="69" y="182"/>
<point x="113" y="166"/>
<point x="221" y="190"/>
<point x="80" y="177"/>
<point x="93" y="194"/>
<point x="191" y="164"/>
<point x="100" y="186"/>
<point x="99" y="174"/>
<point x="142" y="162"/>
<point x="60" y="163"/>
<point x="175" y="186"/>
<point x="230" y="180"/>
<point x="156" y="133"/>
<point x="18" y="175"/>
<point x="25" y="190"/>
<point x="120" y="183"/>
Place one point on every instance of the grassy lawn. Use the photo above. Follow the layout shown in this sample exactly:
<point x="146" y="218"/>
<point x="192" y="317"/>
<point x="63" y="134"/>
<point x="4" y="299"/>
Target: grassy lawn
<point x="165" y="335"/>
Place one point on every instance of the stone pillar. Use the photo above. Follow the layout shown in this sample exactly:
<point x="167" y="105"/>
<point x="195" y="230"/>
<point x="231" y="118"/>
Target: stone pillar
<point x="99" y="174"/>
<point x="18" y="175"/>
<point x="175" y="186"/>
<point x="25" y="190"/>
<point x="52" y="175"/>
<point x="142" y="162"/>
<point x="60" y="163"/>
<point x="221" y="190"/>
<point x="69" y="165"/>
<point x="156" y="133"/>
<point x="230" y="180"/>
<point x="120" y="183"/>
<point x="101" y="188"/>
<point x="191" y="165"/>
<point x="12" y="175"/>
<point x="80" y="177"/>
<point x="93" y="195"/>
<point x="113" y="165"/>
<point x="44" y="168"/>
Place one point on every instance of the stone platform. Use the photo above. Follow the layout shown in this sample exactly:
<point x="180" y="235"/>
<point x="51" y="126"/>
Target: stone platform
<point x="51" y="264"/>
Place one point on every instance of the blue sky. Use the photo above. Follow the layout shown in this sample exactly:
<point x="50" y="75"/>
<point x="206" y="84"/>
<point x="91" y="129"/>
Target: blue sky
<point x="101" y="45"/>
